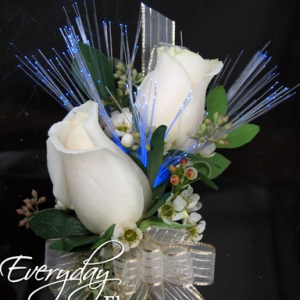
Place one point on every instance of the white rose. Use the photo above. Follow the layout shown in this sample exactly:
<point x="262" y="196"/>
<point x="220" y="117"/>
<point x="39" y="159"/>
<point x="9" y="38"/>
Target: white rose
<point x="177" y="73"/>
<point x="91" y="175"/>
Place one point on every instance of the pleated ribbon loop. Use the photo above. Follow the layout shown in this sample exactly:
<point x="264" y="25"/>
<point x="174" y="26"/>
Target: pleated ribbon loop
<point x="167" y="267"/>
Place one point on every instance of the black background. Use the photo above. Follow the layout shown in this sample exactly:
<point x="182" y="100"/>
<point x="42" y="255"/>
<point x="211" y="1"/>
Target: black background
<point x="253" y="221"/>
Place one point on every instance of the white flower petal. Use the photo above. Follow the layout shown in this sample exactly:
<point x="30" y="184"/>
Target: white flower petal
<point x="178" y="216"/>
<point x="170" y="88"/>
<point x="179" y="204"/>
<point x="166" y="220"/>
<point x="129" y="224"/>
<point x="193" y="201"/>
<point x="208" y="151"/>
<point x="118" y="231"/>
<point x="188" y="192"/>
<point x="194" y="218"/>
<point x="201" y="226"/>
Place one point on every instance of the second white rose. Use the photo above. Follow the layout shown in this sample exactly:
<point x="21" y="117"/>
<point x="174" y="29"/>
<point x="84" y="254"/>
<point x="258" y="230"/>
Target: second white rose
<point x="177" y="73"/>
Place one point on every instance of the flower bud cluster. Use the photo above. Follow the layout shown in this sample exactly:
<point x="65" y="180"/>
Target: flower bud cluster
<point x="181" y="175"/>
<point x="211" y="131"/>
<point x="30" y="207"/>
<point x="121" y="76"/>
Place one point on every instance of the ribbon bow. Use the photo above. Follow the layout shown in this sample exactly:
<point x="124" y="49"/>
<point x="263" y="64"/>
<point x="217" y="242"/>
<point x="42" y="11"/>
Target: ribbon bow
<point x="164" y="266"/>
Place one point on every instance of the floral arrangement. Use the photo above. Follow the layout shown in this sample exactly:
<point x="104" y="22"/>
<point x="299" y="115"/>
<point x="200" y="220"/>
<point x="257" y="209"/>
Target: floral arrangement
<point x="123" y="160"/>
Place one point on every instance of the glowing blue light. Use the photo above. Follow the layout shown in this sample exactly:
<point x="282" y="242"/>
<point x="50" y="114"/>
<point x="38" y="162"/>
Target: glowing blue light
<point x="162" y="177"/>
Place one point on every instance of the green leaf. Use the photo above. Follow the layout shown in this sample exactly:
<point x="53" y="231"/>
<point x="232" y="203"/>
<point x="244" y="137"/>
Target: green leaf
<point x="216" y="101"/>
<point x="155" y="221"/>
<point x="52" y="223"/>
<point x="218" y="163"/>
<point x="201" y="177"/>
<point x="68" y="243"/>
<point x="155" y="155"/>
<point x="100" y="69"/>
<point x="159" y="191"/>
<point x="203" y="167"/>
<point x="104" y="237"/>
<point x="198" y="163"/>
<point x="241" y="136"/>
<point x="160" y="202"/>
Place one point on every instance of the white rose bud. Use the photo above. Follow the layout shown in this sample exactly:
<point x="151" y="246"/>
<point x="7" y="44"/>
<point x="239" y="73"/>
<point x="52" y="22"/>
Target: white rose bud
<point x="92" y="175"/>
<point x="177" y="73"/>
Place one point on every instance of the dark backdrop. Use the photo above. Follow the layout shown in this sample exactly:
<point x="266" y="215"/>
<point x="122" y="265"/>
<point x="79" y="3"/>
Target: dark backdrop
<point x="253" y="220"/>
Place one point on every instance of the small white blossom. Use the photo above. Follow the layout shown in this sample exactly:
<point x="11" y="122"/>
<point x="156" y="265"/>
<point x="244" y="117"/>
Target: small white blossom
<point x="193" y="219"/>
<point x="196" y="231"/>
<point x="172" y="210"/>
<point x="208" y="151"/>
<point x="192" y="200"/>
<point x="128" y="234"/>
<point x="122" y="121"/>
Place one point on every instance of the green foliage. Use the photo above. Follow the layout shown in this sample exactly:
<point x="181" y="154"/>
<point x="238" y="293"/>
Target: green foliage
<point x="201" y="177"/>
<point x="100" y="69"/>
<point x="218" y="163"/>
<point x="241" y="136"/>
<point x="52" y="223"/>
<point x="104" y="237"/>
<point x="155" y="155"/>
<point x="216" y="101"/>
<point x="74" y="243"/>
<point x="159" y="191"/>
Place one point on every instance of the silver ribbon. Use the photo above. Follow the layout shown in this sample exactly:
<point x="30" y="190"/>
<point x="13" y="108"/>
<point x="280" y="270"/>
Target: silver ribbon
<point x="165" y="267"/>
<point x="66" y="262"/>
<point x="156" y="29"/>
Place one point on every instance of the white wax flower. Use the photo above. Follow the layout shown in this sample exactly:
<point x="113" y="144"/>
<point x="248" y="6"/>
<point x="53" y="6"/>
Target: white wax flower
<point x="122" y="121"/>
<point x="192" y="200"/>
<point x="128" y="234"/>
<point x="208" y="151"/>
<point x="177" y="73"/>
<point x="193" y="219"/>
<point x="91" y="175"/>
<point x="172" y="210"/>
<point x="195" y="232"/>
